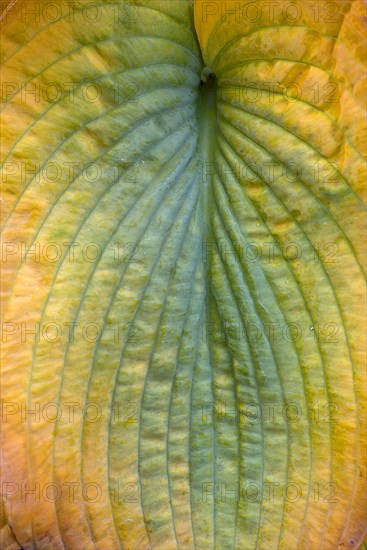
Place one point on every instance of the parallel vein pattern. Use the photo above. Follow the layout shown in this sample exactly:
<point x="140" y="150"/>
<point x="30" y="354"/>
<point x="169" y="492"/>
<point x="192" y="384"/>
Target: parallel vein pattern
<point x="183" y="275"/>
<point x="277" y="123"/>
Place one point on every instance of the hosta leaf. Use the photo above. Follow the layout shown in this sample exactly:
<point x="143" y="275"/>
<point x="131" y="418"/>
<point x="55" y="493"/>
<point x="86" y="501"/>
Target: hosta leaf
<point x="268" y="64"/>
<point x="188" y="252"/>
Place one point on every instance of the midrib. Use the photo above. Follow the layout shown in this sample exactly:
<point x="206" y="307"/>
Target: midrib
<point x="207" y="121"/>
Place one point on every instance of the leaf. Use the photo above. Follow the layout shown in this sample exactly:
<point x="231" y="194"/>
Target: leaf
<point x="190" y="259"/>
<point x="267" y="71"/>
